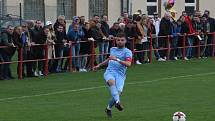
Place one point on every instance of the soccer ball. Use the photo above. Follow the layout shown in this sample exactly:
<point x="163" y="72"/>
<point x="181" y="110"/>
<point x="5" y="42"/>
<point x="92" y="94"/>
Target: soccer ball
<point x="179" y="116"/>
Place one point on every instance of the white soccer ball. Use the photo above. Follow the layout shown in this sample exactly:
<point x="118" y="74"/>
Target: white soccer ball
<point x="179" y="116"/>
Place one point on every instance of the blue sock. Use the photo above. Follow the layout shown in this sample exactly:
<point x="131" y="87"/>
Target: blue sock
<point x="111" y="104"/>
<point x="114" y="93"/>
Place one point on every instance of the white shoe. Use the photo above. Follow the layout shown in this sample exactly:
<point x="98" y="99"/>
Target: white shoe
<point x="185" y="58"/>
<point x="40" y="73"/>
<point x="36" y="74"/>
<point x="175" y="58"/>
<point x="161" y="60"/>
<point x="80" y="70"/>
<point x="138" y="62"/>
<point x="84" y="70"/>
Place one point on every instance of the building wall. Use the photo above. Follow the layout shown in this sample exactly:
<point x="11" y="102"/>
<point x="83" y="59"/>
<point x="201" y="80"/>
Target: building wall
<point x="179" y="7"/>
<point x="209" y="5"/>
<point x="114" y="8"/>
<point x="82" y="8"/>
<point x="51" y="10"/>
<point x="139" y="5"/>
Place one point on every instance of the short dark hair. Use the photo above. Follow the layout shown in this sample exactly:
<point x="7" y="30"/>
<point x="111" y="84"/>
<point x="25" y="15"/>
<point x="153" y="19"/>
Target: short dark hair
<point x="207" y="11"/>
<point x="95" y="15"/>
<point x="9" y="26"/>
<point x="121" y="34"/>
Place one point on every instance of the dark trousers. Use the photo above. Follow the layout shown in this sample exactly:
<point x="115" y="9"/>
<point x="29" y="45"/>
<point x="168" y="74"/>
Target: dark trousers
<point x="38" y="54"/>
<point x="139" y="55"/>
<point x="146" y="48"/>
<point x="6" y="71"/>
<point x="1" y="67"/>
<point x="162" y="45"/>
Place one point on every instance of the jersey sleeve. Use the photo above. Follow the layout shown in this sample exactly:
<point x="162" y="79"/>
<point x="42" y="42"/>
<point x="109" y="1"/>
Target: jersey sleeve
<point x="128" y="56"/>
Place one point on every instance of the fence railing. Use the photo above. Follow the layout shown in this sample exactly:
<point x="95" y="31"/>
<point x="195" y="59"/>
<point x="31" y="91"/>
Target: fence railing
<point x="93" y="54"/>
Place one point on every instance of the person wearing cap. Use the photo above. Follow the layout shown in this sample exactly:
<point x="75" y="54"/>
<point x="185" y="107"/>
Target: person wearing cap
<point x="75" y="20"/>
<point x="50" y="43"/>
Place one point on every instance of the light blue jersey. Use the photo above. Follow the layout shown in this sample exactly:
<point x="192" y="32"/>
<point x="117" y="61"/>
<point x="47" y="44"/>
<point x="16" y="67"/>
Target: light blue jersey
<point x="123" y="54"/>
<point x="115" y="70"/>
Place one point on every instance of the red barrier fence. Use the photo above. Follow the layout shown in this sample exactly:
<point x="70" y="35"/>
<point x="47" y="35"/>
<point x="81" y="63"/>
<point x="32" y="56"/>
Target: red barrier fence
<point x="93" y="55"/>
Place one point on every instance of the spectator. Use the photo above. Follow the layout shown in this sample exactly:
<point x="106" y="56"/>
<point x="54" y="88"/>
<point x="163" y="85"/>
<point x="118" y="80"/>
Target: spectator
<point x="184" y="13"/>
<point x="191" y="31"/>
<point x="96" y="18"/>
<point x="50" y="42"/>
<point x="176" y="29"/>
<point x="26" y="37"/>
<point x="41" y="40"/>
<point x="139" y="42"/>
<point x="82" y="21"/>
<point x="197" y="26"/>
<point x="86" y="48"/>
<point x="131" y="34"/>
<point x="35" y="33"/>
<point x="212" y="30"/>
<point x="156" y="23"/>
<point x="75" y="37"/>
<point x="105" y="31"/>
<point x="152" y="30"/>
<point x="8" y="52"/>
<point x="205" y="50"/>
<point x="164" y="30"/>
<point x="114" y="31"/>
<point x="1" y="65"/>
<point x="145" y="40"/>
<point x="75" y="20"/>
<point x="125" y="18"/>
<point x="20" y="42"/>
<point x="60" y="41"/>
<point x="60" y="21"/>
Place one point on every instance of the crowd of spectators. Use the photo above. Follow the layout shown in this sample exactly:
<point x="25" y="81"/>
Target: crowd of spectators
<point x="139" y="28"/>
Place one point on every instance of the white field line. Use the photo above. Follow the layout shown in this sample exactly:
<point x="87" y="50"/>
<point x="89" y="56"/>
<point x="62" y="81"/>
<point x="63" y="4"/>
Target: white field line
<point x="98" y="87"/>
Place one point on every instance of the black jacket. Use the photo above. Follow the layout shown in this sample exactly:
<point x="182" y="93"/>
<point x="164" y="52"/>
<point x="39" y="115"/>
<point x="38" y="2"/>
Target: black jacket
<point x="105" y="28"/>
<point x="7" y="40"/>
<point x="60" y="36"/>
<point x="165" y="27"/>
<point x="96" y="34"/>
<point x="115" y="32"/>
<point x="35" y="32"/>
<point x="131" y="32"/>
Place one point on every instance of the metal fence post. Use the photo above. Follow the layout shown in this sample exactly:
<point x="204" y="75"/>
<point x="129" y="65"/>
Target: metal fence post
<point x="46" y="69"/>
<point x="151" y="47"/>
<point x="20" y="63"/>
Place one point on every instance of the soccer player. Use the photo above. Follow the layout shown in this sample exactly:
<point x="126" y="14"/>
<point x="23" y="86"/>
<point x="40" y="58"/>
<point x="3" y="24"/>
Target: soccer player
<point x="120" y="58"/>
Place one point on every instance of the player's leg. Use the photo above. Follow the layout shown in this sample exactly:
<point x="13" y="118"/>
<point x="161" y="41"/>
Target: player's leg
<point x="120" y="80"/>
<point x="110" y="81"/>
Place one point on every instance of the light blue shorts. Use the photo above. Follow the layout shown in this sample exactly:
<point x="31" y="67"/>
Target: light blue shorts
<point x="119" y="79"/>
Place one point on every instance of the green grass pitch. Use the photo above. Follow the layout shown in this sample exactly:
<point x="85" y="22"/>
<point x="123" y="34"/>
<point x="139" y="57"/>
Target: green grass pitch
<point x="153" y="92"/>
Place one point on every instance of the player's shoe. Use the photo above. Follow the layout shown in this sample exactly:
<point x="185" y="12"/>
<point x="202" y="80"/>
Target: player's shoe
<point x="108" y="112"/>
<point x="119" y="106"/>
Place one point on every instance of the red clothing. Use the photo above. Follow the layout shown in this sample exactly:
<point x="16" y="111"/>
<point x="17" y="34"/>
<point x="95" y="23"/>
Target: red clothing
<point x="189" y="23"/>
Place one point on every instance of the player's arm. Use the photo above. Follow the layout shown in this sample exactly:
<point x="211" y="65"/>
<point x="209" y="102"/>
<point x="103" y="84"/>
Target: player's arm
<point x="101" y="64"/>
<point x="127" y="62"/>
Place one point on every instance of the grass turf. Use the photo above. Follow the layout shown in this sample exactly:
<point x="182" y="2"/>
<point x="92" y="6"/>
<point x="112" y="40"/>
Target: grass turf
<point x="153" y="92"/>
